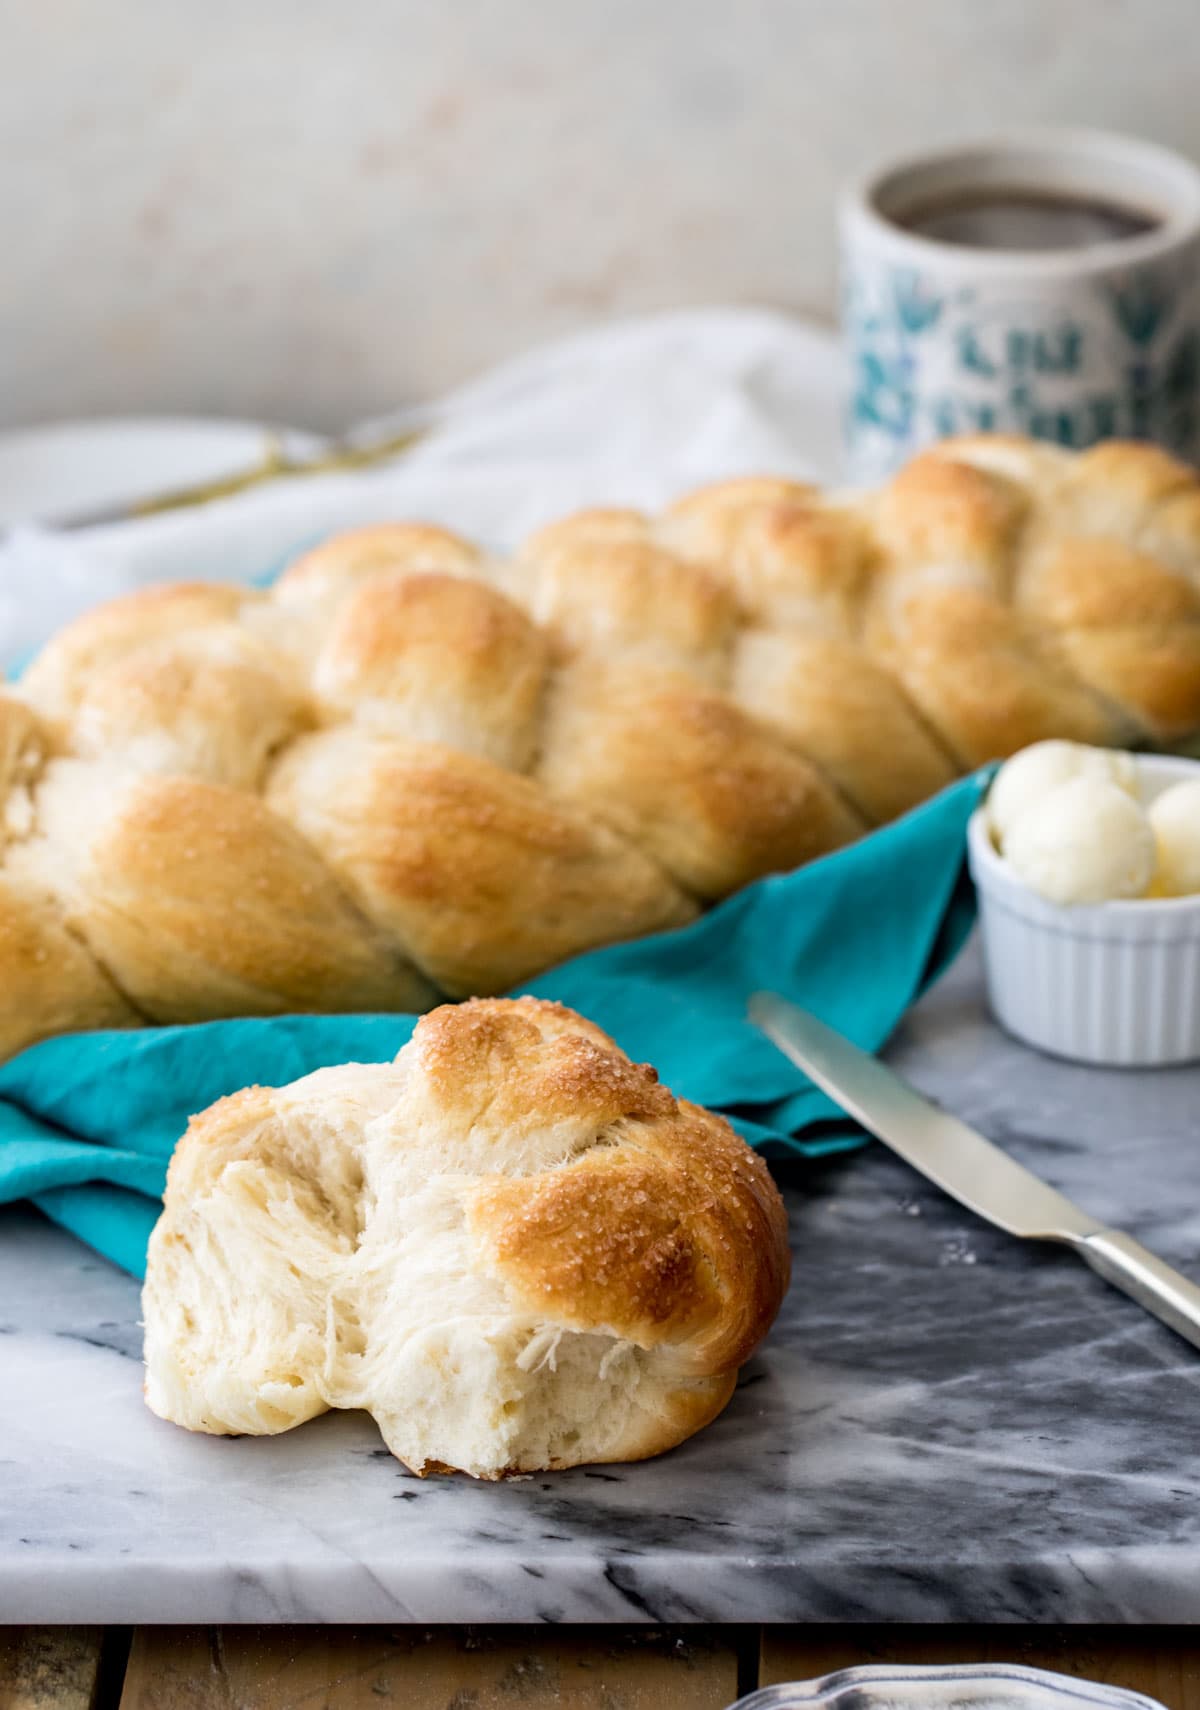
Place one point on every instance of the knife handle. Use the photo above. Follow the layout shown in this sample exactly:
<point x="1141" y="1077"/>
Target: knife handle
<point x="1127" y="1265"/>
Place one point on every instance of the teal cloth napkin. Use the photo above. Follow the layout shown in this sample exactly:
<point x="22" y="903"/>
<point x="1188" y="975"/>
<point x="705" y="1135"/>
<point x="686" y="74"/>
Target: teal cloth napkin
<point x="88" y="1121"/>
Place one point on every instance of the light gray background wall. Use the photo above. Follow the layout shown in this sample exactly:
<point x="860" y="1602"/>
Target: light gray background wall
<point x="312" y="211"/>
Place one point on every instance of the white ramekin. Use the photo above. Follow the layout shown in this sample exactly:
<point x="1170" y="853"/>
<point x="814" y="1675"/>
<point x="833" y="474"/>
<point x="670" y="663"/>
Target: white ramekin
<point x="1115" y="982"/>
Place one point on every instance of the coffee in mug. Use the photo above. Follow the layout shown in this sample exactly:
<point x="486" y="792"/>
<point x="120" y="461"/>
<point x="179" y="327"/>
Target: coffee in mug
<point x="1026" y="219"/>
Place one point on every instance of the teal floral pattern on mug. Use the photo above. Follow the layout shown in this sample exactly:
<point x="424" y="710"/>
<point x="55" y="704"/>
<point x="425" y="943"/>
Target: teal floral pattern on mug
<point x="915" y="307"/>
<point x="1140" y="307"/>
<point x="1082" y="360"/>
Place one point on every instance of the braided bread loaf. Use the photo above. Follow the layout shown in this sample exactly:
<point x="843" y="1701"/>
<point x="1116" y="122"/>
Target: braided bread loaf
<point x="411" y="769"/>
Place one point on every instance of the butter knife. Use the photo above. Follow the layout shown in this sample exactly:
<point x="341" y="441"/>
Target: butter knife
<point x="969" y="1168"/>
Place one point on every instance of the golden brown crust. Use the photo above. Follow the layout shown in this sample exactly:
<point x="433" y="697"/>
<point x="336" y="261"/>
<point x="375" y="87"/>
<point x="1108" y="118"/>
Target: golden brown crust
<point x="213" y="704"/>
<point x="986" y="678"/>
<point x="802" y="564"/>
<point x="938" y="513"/>
<point x="1171" y="532"/>
<point x="686" y="774"/>
<point x="707" y="524"/>
<point x="741" y="1218"/>
<point x="845" y="712"/>
<point x="62" y="987"/>
<point x="675" y="1236"/>
<point x="1128" y="628"/>
<point x="528" y="1061"/>
<point x="23" y="738"/>
<point x="537" y="1255"/>
<point x="482" y="877"/>
<point x="438" y="659"/>
<point x="24" y="744"/>
<point x="65" y="668"/>
<point x="202" y="903"/>
<point x="332" y="570"/>
<point x="630" y="597"/>
<point x="1100" y="560"/>
<point x="653" y="706"/>
<point x="601" y="1242"/>
<point x="599" y="527"/>
<point x="1127" y="475"/>
<point x="670" y="1233"/>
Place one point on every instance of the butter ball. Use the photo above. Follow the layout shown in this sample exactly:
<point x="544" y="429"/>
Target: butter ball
<point x="1087" y="841"/>
<point x="1175" y="821"/>
<point x="1031" y="775"/>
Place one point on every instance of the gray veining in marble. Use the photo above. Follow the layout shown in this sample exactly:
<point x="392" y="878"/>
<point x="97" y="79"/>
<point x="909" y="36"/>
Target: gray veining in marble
<point x="944" y="1426"/>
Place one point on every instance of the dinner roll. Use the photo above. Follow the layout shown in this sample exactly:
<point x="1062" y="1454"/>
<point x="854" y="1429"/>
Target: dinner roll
<point x="512" y="1246"/>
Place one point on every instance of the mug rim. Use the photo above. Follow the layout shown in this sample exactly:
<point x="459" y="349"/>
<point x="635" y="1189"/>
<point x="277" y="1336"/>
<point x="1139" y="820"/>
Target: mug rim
<point x="1077" y="151"/>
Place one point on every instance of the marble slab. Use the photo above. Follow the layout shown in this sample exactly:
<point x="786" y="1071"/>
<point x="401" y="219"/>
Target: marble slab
<point x="945" y="1425"/>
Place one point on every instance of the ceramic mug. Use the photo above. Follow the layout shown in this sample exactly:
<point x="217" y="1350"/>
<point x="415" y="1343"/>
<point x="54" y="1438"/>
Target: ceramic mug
<point x="1093" y="333"/>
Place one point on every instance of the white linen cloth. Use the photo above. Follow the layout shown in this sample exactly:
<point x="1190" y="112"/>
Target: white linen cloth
<point x="631" y="414"/>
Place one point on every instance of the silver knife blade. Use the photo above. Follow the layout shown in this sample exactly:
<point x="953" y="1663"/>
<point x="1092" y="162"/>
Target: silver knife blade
<point x="962" y="1163"/>
<point x="969" y="1168"/>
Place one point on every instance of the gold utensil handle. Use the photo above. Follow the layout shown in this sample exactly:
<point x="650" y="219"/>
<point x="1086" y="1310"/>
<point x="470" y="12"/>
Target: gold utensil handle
<point x="274" y="465"/>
